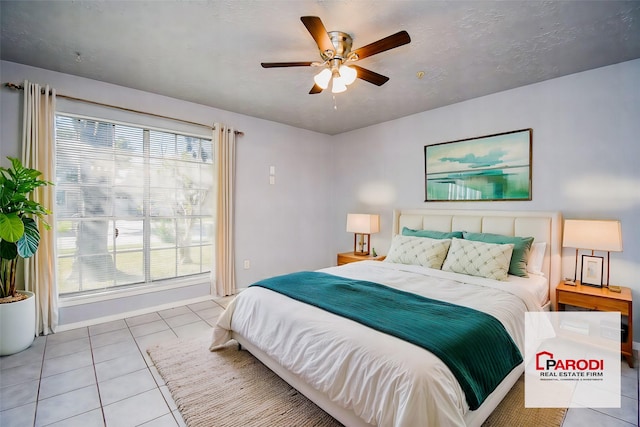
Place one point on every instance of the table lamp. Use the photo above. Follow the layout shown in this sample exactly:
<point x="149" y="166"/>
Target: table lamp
<point x="594" y="235"/>
<point x="363" y="225"/>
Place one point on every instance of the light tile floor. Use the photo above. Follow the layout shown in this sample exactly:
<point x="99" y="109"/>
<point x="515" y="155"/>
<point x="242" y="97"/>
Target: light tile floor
<point x="99" y="375"/>
<point x="102" y="376"/>
<point x="627" y="415"/>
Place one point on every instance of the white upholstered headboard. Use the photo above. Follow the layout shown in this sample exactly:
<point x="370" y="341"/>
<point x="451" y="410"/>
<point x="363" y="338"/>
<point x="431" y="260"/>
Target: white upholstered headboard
<point x="542" y="226"/>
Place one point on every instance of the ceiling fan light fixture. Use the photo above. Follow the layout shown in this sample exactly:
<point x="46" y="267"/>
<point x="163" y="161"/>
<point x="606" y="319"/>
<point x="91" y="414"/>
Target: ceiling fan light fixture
<point x="322" y="78"/>
<point x="335" y="51"/>
<point x="348" y="74"/>
<point x="338" y="85"/>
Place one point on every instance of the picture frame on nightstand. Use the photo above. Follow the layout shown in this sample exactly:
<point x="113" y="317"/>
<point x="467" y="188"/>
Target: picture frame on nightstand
<point x="592" y="268"/>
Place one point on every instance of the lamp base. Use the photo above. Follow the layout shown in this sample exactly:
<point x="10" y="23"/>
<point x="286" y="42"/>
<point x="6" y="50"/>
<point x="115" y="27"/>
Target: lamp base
<point x="361" y="245"/>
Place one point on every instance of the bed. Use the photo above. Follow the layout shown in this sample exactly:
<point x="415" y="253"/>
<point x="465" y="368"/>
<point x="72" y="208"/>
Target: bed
<point x="365" y="377"/>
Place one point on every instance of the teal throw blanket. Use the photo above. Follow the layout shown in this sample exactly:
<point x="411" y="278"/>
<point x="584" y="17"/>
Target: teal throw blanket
<point x="474" y="345"/>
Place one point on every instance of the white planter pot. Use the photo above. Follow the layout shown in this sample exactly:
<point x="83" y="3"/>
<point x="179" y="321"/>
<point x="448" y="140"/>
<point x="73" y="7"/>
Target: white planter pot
<point x="17" y="324"/>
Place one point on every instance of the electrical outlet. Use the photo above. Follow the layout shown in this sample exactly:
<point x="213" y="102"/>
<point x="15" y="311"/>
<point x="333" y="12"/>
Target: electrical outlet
<point x="247" y="264"/>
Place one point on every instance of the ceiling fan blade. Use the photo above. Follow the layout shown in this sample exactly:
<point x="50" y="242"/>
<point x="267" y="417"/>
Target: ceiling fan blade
<point x="398" y="39"/>
<point x="370" y="76"/>
<point x="285" y="64"/>
<point x="318" y="32"/>
<point x="315" y="89"/>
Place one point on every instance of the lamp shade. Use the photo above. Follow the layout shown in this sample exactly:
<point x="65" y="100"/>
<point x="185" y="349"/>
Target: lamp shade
<point x="598" y="235"/>
<point x="338" y="85"/>
<point x="363" y="223"/>
<point x="348" y="74"/>
<point x="322" y="78"/>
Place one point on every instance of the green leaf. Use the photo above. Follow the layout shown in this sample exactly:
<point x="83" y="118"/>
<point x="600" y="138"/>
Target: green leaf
<point x="19" y="233"/>
<point x="32" y="173"/>
<point x="28" y="244"/>
<point x="8" y="250"/>
<point x="16" y="164"/>
<point x="11" y="227"/>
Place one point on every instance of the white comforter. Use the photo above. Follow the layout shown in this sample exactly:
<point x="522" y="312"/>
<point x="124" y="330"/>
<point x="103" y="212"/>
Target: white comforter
<point x="384" y="380"/>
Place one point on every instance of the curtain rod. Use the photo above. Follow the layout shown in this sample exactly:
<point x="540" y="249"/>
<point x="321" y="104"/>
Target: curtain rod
<point x="73" y="98"/>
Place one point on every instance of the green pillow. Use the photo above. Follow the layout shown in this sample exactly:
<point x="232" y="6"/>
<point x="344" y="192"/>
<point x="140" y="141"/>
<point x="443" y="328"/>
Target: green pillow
<point x="431" y="234"/>
<point x="521" y="248"/>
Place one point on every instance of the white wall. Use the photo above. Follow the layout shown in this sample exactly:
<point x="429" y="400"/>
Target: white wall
<point x="586" y="158"/>
<point x="279" y="228"/>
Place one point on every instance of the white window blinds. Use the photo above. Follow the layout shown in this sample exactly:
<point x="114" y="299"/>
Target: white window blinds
<point x="134" y="205"/>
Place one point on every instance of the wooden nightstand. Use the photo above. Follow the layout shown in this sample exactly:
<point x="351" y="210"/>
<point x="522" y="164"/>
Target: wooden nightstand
<point x="600" y="299"/>
<point x="347" y="257"/>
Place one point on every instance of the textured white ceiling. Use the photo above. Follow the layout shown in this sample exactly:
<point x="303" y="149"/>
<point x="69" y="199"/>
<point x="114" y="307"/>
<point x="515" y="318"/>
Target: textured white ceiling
<point x="210" y="52"/>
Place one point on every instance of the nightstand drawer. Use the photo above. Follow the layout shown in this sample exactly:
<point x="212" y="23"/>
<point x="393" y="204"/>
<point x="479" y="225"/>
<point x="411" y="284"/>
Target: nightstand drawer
<point x="348" y="257"/>
<point x="600" y="299"/>
<point x="342" y="260"/>
<point x="593" y="303"/>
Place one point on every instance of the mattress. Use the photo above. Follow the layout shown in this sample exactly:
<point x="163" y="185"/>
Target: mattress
<point x="382" y="379"/>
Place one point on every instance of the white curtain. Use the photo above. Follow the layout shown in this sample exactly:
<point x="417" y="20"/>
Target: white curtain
<point x="224" y="139"/>
<point x="38" y="152"/>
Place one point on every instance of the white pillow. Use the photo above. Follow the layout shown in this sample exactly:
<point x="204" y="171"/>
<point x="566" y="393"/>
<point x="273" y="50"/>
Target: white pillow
<point x="536" y="258"/>
<point x="475" y="258"/>
<point x="418" y="251"/>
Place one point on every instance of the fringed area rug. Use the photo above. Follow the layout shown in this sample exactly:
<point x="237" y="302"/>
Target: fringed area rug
<point x="230" y="388"/>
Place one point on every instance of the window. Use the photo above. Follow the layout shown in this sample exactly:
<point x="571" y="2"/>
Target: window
<point x="134" y="205"/>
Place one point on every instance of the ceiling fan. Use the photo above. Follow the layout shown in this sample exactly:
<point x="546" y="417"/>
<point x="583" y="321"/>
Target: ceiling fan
<point x="336" y="53"/>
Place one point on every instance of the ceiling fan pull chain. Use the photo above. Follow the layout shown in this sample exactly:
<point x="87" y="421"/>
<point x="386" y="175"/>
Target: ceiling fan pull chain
<point x="335" y="105"/>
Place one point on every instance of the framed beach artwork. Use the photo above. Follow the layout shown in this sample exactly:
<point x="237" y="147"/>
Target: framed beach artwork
<point x="492" y="167"/>
<point x="592" y="270"/>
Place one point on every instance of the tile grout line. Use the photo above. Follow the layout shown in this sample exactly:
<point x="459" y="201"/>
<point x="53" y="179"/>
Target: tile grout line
<point x="93" y="365"/>
<point x="91" y="348"/>
<point x="173" y="416"/>
<point x="149" y="368"/>
<point x="44" y="352"/>
<point x="95" y="375"/>
<point x="38" y="394"/>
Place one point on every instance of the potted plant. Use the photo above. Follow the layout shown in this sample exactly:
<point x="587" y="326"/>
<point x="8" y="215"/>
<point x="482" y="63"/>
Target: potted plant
<point x="19" y="238"/>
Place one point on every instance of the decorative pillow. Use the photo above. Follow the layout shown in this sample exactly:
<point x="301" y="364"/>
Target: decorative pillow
<point x="431" y="234"/>
<point x="536" y="258"/>
<point x="418" y="251"/>
<point x="475" y="258"/>
<point x="521" y="247"/>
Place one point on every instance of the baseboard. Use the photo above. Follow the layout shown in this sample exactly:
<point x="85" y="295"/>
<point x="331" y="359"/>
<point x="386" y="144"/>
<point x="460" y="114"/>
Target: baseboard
<point x="124" y="315"/>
